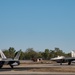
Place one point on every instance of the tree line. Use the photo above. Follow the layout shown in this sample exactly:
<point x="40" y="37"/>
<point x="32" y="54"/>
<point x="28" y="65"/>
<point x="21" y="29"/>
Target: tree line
<point x="31" y="53"/>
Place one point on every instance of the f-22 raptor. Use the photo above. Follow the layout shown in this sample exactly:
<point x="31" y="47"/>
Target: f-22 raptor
<point x="62" y="59"/>
<point x="9" y="61"/>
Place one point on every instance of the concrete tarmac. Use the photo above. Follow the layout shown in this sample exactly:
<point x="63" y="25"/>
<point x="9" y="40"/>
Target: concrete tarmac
<point x="33" y="73"/>
<point x="26" y="69"/>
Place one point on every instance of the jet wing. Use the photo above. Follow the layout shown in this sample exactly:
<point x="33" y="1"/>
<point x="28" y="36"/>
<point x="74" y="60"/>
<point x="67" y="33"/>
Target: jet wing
<point x="70" y="58"/>
<point x="57" y="58"/>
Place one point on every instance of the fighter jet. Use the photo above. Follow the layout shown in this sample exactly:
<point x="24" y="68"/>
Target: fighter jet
<point x="9" y="61"/>
<point x="62" y="59"/>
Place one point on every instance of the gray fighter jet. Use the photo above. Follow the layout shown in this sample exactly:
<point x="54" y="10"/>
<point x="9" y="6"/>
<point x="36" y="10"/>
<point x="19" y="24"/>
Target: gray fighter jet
<point x="9" y="61"/>
<point x="62" y="59"/>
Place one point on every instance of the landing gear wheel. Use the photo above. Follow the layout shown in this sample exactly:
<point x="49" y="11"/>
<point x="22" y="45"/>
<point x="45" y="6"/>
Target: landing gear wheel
<point x="11" y="66"/>
<point x="1" y="66"/>
<point x="69" y="63"/>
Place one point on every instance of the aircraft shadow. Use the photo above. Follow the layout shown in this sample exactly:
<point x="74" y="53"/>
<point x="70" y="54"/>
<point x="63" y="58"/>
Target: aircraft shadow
<point x="18" y="68"/>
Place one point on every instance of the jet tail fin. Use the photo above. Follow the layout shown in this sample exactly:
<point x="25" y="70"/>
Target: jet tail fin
<point x="17" y="55"/>
<point x="73" y="53"/>
<point x="2" y="55"/>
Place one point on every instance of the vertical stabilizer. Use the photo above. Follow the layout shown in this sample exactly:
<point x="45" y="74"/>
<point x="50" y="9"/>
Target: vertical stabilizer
<point x="17" y="55"/>
<point x="2" y="55"/>
<point x="73" y="53"/>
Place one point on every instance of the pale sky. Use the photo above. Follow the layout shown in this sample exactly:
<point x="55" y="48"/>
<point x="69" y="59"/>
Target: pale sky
<point x="38" y="24"/>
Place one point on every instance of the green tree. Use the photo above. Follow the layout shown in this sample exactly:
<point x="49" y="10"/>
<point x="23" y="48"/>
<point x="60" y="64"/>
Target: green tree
<point x="11" y="52"/>
<point x="22" y="55"/>
<point x="6" y="52"/>
<point x="30" y="53"/>
<point x="46" y="54"/>
<point x="58" y="52"/>
<point x="52" y="54"/>
<point x="39" y="55"/>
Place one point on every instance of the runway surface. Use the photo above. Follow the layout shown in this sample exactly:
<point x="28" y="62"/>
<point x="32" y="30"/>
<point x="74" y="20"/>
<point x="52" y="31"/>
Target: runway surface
<point x="33" y="73"/>
<point x="32" y="69"/>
